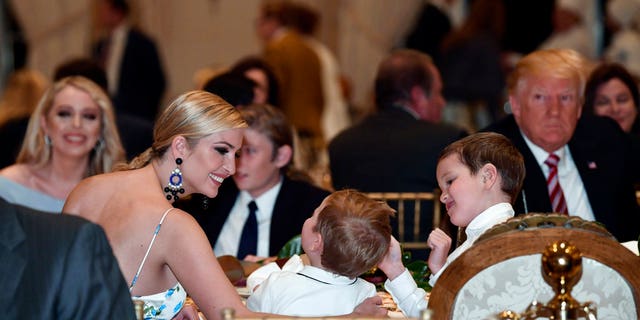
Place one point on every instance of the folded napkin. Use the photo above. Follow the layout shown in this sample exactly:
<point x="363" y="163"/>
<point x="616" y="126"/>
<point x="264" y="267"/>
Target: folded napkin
<point x="294" y="264"/>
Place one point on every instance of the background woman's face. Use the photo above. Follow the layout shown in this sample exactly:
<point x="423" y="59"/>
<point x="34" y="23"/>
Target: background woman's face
<point x="73" y="123"/>
<point x="261" y="91"/>
<point x="614" y="99"/>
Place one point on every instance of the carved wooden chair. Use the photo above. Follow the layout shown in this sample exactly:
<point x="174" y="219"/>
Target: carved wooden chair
<point x="502" y="270"/>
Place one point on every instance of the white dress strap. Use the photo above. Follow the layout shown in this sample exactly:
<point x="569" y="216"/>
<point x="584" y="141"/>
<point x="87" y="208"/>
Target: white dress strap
<point x="153" y="239"/>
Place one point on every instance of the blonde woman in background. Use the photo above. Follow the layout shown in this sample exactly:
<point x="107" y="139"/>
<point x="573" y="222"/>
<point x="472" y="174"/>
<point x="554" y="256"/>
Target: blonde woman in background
<point x="71" y="135"/>
<point x="20" y="97"/>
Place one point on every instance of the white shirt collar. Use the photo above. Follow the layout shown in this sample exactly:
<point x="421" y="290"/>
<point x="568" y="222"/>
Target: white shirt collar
<point x="488" y="218"/>
<point x="265" y="201"/>
<point x="541" y="155"/>
<point x="326" y="276"/>
<point x="408" y="110"/>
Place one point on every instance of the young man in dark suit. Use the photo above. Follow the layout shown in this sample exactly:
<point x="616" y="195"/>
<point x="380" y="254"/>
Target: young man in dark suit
<point x="264" y="177"/>
<point x="58" y="267"/>
<point x="593" y="167"/>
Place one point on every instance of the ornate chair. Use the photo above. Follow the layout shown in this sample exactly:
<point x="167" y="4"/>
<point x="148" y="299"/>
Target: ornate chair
<point x="503" y="270"/>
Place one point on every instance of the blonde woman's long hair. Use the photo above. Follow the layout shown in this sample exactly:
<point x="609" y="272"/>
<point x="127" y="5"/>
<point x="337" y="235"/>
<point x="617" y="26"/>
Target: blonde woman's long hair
<point x="193" y="115"/>
<point x="107" y="152"/>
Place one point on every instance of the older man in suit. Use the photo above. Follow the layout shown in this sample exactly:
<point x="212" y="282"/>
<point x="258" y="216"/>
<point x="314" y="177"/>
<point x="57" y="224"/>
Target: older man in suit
<point x="58" y="267"/>
<point x="396" y="149"/>
<point x="575" y="165"/>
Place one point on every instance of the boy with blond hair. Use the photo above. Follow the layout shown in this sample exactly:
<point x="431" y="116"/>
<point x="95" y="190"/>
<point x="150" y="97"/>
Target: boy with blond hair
<point x="347" y="235"/>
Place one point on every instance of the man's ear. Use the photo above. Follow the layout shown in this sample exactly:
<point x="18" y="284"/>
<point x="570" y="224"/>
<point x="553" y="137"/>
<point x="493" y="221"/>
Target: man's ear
<point x="417" y="93"/>
<point x="283" y="156"/>
<point x="515" y="106"/>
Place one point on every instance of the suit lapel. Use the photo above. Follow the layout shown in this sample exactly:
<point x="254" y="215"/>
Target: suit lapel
<point x="12" y="257"/>
<point x="535" y="183"/>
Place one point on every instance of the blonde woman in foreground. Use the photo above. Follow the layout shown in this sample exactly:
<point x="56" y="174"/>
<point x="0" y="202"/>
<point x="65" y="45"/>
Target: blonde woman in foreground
<point x="162" y="251"/>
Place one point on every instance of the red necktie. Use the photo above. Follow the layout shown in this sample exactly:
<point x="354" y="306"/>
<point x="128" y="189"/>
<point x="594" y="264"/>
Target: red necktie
<point x="556" y="196"/>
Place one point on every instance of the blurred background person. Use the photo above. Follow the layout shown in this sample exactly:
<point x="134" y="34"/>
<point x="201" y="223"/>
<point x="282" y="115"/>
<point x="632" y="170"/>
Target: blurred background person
<point x="71" y="135"/>
<point x="20" y="97"/>
<point x="257" y="69"/>
<point x="612" y="91"/>
<point x="471" y="67"/>
<point x="623" y="18"/>
<point x="299" y="73"/>
<point x="433" y="25"/>
<point x="335" y="113"/>
<point x="572" y="28"/>
<point x="14" y="48"/>
<point x="235" y="88"/>
<point x="136" y="133"/>
<point x="131" y="60"/>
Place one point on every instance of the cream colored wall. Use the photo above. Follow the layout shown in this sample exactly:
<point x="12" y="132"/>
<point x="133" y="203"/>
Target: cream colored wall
<point x="193" y="34"/>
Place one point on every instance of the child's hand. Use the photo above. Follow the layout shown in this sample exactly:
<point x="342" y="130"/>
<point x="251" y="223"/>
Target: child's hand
<point x="440" y="243"/>
<point x="391" y="263"/>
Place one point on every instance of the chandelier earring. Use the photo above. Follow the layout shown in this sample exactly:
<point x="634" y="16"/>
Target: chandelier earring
<point x="175" y="182"/>
<point x="47" y="140"/>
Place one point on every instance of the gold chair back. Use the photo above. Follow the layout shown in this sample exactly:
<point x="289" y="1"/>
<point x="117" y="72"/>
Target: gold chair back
<point x="417" y="200"/>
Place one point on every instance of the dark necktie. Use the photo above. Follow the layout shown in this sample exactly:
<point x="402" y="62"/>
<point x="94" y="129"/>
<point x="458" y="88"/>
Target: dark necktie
<point x="249" y="238"/>
<point x="556" y="195"/>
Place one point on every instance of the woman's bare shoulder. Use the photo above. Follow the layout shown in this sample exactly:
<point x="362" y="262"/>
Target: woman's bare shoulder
<point x="91" y="192"/>
<point x="16" y="172"/>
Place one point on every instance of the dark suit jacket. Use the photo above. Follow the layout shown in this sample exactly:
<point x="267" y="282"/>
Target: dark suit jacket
<point x="392" y="151"/>
<point x="389" y="151"/>
<point x="12" y="134"/>
<point x="136" y="134"/>
<point x="142" y="81"/>
<point x="58" y="267"/>
<point x="295" y="203"/>
<point x="601" y="152"/>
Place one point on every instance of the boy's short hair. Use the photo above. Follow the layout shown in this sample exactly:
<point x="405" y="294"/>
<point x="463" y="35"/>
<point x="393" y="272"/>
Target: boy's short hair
<point x="481" y="148"/>
<point x="355" y="230"/>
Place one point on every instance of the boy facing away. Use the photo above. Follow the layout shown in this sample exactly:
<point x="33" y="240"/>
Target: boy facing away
<point x="347" y="235"/>
<point x="480" y="177"/>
